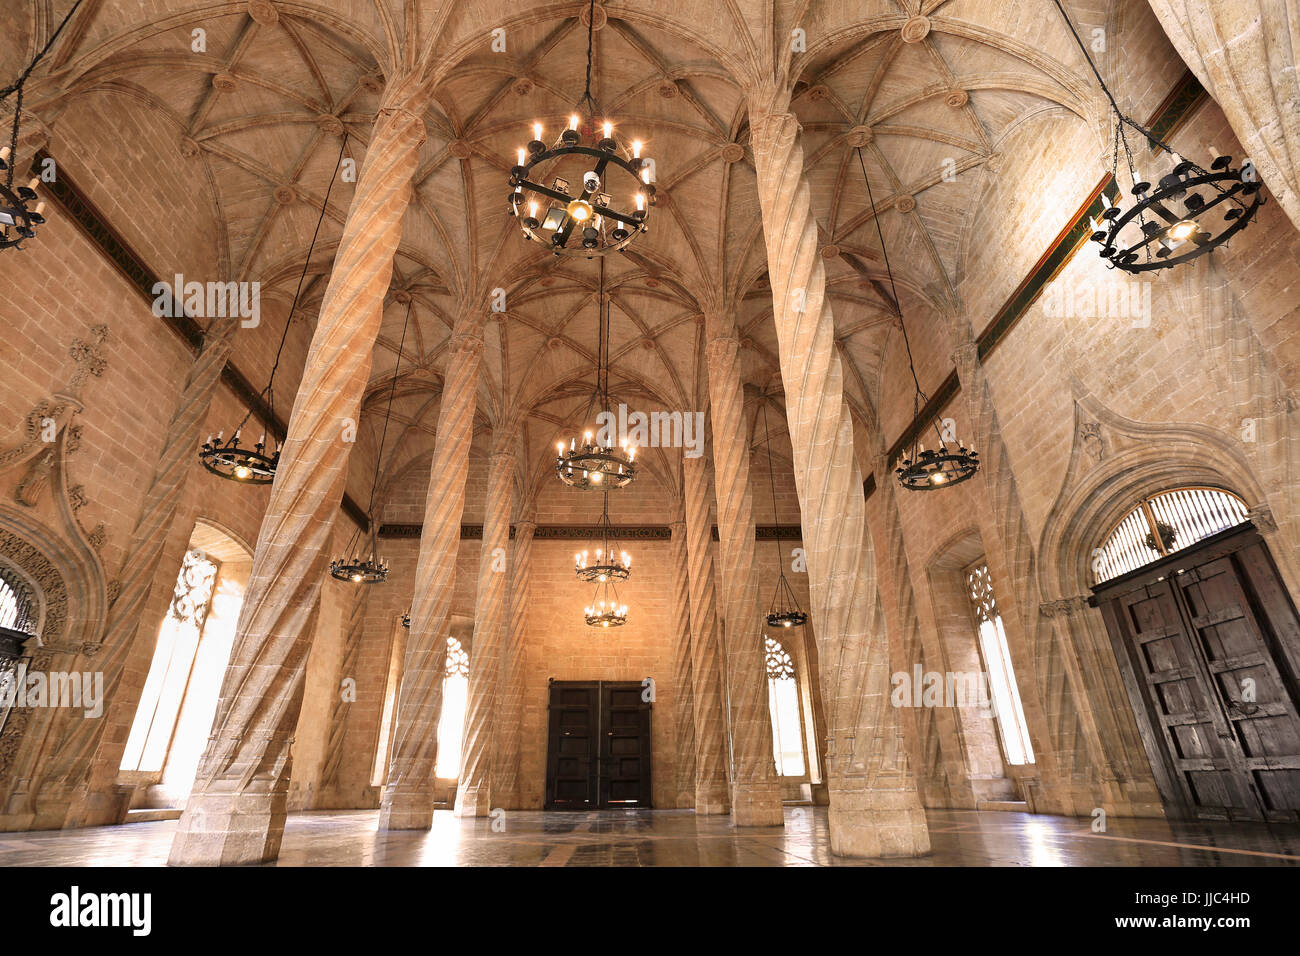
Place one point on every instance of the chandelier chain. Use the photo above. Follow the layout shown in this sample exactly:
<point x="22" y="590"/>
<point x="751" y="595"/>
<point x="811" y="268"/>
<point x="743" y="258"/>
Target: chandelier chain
<point x="269" y="391"/>
<point x="17" y="86"/>
<point x="771" y="480"/>
<point x="383" y="435"/>
<point x="591" y="24"/>
<point x="920" y="398"/>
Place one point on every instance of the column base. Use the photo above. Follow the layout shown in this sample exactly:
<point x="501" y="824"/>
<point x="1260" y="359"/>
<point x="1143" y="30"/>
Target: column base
<point x="229" y="829"/>
<point x="406" y="810"/>
<point x="758" y="806"/>
<point x="712" y="799"/>
<point x="473" y="802"/>
<point x="878" y="824"/>
<point x="100" y="808"/>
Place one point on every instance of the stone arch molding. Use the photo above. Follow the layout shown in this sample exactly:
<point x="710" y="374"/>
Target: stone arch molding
<point x="1113" y="461"/>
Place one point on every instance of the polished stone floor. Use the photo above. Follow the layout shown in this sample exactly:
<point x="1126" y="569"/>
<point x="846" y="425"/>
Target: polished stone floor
<point x="679" y="838"/>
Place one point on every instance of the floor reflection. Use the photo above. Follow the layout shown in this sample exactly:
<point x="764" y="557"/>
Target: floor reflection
<point x="679" y="838"/>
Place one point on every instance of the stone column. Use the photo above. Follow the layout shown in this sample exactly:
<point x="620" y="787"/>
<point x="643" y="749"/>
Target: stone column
<point x="510" y="736"/>
<point x="407" y="803"/>
<point x="684" y="766"/>
<point x="236" y="811"/>
<point x="756" y="793"/>
<point x="712" y="793"/>
<point x="877" y="813"/>
<point x="474" y="791"/>
<point x="941" y="771"/>
<point x="87" y="759"/>
<point x="1244" y="53"/>
<point x="344" y="775"/>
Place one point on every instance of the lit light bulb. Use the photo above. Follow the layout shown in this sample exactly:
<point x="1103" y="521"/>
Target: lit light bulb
<point x="573" y="121"/>
<point x="537" y="131"/>
<point x="636" y="149"/>
<point x="242" y="471"/>
<point x="595" y="477"/>
<point x="1182" y="231"/>
<point x="785" y="623"/>
<point x="587" y="437"/>
<point x="609" y="129"/>
<point x="938" y="478"/>
<point x="523" y="157"/>
<point x="559" y="448"/>
<point x="532" y="209"/>
<point x="357" y="578"/>
<point x="640" y="202"/>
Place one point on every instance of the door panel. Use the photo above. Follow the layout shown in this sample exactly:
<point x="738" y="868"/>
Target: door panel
<point x="1266" y="728"/>
<point x="598" y="753"/>
<point x="625" y="775"/>
<point x="1183" y="711"/>
<point x="571" y="752"/>
<point x="1206" y="636"/>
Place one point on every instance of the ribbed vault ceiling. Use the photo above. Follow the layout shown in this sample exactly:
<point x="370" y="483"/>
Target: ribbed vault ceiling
<point x="261" y="116"/>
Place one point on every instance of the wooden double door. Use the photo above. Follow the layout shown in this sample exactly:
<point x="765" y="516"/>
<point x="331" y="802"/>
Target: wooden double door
<point x="598" y="746"/>
<point x="1208" y="643"/>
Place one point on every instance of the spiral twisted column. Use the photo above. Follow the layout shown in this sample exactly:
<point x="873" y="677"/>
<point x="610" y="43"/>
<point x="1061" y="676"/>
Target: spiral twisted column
<point x="407" y="803"/>
<point x="874" y="810"/>
<point x="343" y="780"/>
<point x="236" y="811"/>
<point x="1244" y="53"/>
<point x="509" y="737"/>
<point x="755" y="792"/>
<point x="85" y="762"/>
<point x="482" y="707"/>
<point x="684" y="766"/>
<point x="712" y="793"/>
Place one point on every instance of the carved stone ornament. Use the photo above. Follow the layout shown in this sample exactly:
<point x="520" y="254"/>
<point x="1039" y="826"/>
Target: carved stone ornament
<point x="1261" y="516"/>
<point x="1090" y="438"/>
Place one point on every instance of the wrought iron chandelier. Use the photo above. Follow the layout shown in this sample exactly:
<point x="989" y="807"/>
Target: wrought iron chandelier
<point x="1162" y="235"/>
<point x="921" y="468"/>
<point x="605" y="609"/>
<point x="581" y="222"/>
<point x="784" y="611"/>
<point x="360" y="568"/>
<point x="593" y="463"/>
<point x="609" y="564"/>
<point x="256" y="465"/>
<point x="17" y="221"/>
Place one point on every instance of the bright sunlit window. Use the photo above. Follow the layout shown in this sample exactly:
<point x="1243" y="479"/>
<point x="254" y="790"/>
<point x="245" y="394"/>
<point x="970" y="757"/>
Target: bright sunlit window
<point x="783" y="705"/>
<point x="451" y="727"/>
<point x="1009" y="715"/>
<point x="173" y="659"/>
